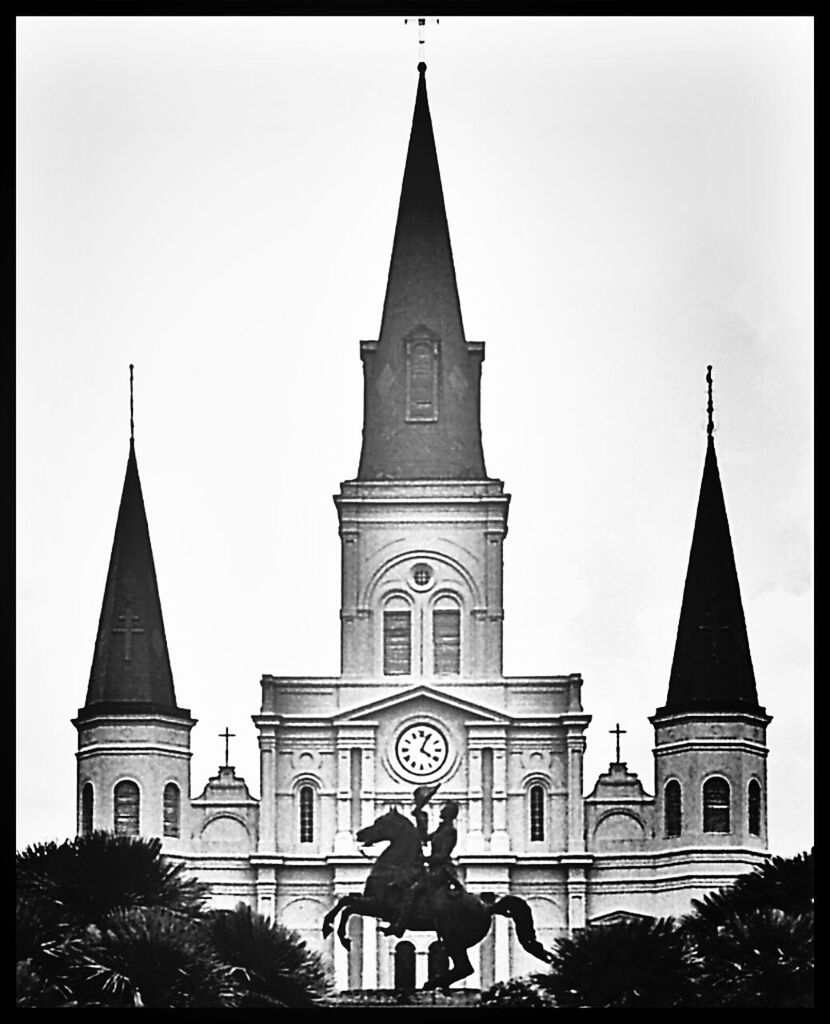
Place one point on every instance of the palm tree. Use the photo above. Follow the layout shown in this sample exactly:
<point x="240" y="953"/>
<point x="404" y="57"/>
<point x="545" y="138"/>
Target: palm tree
<point x="783" y="883"/>
<point x="634" y="963"/>
<point x="757" y="958"/>
<point x="64" y="888"/>
<point x="753" y="940"/>
<point x="271" y="963"/>
<point x="106" y="920"/>
<point x="84" y="880"/>
<point x="145" y="957"/>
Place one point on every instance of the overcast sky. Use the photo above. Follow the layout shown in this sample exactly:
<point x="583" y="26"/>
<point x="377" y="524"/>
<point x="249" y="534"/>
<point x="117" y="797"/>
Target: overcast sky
<point x="214" y="199"/>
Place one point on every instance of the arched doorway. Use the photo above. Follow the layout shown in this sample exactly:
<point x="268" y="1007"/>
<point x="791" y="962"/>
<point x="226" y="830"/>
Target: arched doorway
<point x="438" y="962"/>
<point x="404" y="965"/>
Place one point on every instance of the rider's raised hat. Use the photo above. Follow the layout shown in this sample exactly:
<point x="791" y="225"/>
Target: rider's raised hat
<point x="424" y="793"/>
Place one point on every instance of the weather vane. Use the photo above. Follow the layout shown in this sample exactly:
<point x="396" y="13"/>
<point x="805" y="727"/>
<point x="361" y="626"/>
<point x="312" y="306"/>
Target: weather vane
<point x="422" y="23"/>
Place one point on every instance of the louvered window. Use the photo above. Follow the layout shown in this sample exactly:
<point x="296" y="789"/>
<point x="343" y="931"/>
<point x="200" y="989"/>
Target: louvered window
<point x="537" y="814"/>
<point x="446" y="641"/>
<point x="673" y="808"/>
<point x="422" y="381"/>
<point x="397" y="643"/>
<point x="716" y="805"/>
<point x="306" y="814"/>
<point x="754" y="808"/>
<point x="87" y="798"/>
<point x="127" y="807"/>
<point x="172" y="810"/>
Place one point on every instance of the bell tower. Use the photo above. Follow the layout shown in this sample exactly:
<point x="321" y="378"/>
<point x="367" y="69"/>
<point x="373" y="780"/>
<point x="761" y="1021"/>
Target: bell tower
<point x="422" y="525"/>
<point x="133" y="739"/>
<point x="710" y="736"/>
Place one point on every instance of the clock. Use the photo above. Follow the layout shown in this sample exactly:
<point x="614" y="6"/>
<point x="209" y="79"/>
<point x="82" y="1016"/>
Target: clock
<point x="421" y="749"/>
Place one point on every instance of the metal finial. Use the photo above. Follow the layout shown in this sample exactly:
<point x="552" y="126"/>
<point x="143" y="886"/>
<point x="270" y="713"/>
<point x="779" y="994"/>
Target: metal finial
<point x="131" y="402"/>
<point x="710" y="426"/>
<point x="421" y="23"/>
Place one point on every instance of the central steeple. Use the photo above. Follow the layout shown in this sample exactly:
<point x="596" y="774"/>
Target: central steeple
<point x="422" y="377"/>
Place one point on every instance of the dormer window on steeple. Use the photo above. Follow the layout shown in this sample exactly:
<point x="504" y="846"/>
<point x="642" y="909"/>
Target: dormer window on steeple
<point x="422" y="380"/>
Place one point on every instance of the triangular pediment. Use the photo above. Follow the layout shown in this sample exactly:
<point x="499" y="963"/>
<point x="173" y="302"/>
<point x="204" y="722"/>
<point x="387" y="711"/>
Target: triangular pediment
<point x="400" y="700"/>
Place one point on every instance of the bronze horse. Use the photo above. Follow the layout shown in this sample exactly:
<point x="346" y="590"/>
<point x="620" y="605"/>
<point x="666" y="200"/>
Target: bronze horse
<point x="459" y="920"/>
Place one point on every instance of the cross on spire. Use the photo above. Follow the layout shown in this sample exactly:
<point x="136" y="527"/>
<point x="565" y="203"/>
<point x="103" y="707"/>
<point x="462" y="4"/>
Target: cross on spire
<point x="714" y="626"/>
<point x="127" y="629"/>
<point x="226" y="736"/>
<point x="618" y="732"/>
<point x="422" y="22"/>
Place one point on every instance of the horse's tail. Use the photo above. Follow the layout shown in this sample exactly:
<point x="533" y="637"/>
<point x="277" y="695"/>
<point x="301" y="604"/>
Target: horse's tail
<point x="516" y="908"/>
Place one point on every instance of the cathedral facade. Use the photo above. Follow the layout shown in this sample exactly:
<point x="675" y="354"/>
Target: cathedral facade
<point x="421" y="697"/>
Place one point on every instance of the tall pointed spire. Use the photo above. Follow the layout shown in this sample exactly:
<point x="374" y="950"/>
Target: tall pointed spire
<point x="712" y="667"/>
<point x="421" y="378"/>
<point x="130" y="665"/>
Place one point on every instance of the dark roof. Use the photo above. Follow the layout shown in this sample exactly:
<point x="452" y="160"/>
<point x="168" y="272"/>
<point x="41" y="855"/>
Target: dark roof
<point x="712" y="667"/>
<point x="131" y="666"/>
<point x="421" y="303"/>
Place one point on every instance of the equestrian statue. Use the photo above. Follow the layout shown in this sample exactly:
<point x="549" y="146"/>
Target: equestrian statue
<point x="416" y="894"/>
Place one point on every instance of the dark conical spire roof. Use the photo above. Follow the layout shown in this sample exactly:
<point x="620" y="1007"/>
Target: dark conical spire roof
<point x="712" y="667"/>
<point x="130" y="666"/>
<point x="421" y="408"/>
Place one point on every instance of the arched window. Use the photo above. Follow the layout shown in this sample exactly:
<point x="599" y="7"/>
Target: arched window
<point x="438" y="963"/>
<point x="537" y="813"/>
<point x="172" y="810"/>
<point x="127" y="808"/>
<point x="87" y="798"/>
<point x="716" y="805"/>
<point x="673" y="808"/>
<point x="446" y="637"/>
<point x="404" y="965"/>
<point x="397" y="638"/>
<point x="753" y="804"/>
<point x="306" y="814"/>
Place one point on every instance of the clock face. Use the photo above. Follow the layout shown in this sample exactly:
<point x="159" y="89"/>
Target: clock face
<point x="421" y="749"/>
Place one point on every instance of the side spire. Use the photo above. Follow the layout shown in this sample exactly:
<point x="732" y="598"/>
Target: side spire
<point x="130" y="664"/>
<point x="712" y="667"/>
<point x="422" y="377"/>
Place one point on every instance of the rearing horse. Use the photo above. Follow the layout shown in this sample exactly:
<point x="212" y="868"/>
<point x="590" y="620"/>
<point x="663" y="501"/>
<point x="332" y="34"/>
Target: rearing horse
<point x="459" y="921"/>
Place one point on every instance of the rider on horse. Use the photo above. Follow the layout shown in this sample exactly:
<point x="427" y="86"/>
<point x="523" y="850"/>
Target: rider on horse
<point x="440" y="873"/>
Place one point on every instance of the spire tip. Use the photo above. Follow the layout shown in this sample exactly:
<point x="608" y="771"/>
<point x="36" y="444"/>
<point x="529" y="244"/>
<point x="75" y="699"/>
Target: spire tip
<point x="710" y="426"/>
<point x="132" y="431"/>
<point x="421" y="66"/>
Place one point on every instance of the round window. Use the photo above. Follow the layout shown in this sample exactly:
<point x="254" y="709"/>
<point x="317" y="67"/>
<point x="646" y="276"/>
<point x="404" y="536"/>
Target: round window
<point x="422" y="575"/>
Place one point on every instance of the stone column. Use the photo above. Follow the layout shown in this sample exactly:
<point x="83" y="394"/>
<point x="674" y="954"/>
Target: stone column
<point x="266" y="893"/>
<point x="502" y="947"/>
<point x="576" y="817"/>
<point x="343" y="842"/>
<point x="268" y="798"/>
<point x="421" y="967"/>
<point x="500" y="840"/>
<point x="577" y="890"/>
<point x="349" y="583"/>
<point x="475" y="836"/>
<point x="370" y="953"/>
<point x="341" y="964"/>
<point x="367" y="801"/>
